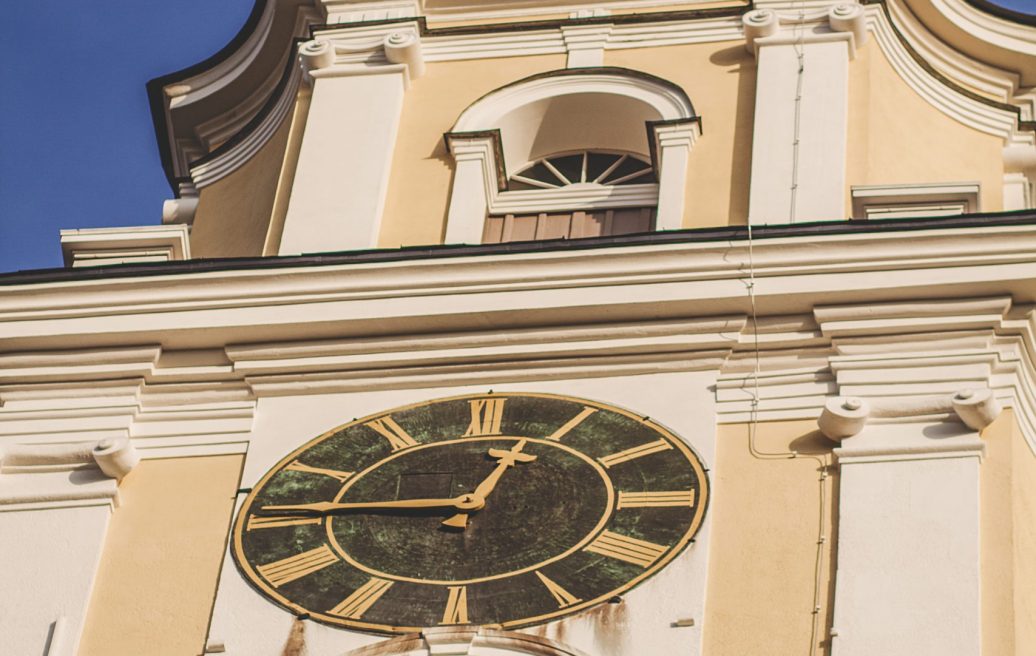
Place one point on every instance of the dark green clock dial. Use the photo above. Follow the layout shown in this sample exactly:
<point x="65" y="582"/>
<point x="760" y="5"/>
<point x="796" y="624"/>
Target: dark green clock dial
<point x="502" y="509"/>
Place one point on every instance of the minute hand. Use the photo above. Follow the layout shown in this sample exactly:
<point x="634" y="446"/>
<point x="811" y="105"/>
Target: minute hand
<point x="464" y="502"/>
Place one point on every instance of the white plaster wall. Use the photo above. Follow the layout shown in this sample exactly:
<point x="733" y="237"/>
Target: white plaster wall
<point x="49" y="560"/>
<point x="683" y="402"/>
<point x="342" y="174"/>
<point x="908" y="553"/>
<point x="820" y="127"/>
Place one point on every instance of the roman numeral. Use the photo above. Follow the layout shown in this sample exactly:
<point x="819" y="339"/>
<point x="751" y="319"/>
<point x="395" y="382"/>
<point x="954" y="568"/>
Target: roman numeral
<point x="355" y="605"/>
<point x="295" y="567"/>
<point x="561" y="595"/>
<point x="456" y="606"/>
<point x="393" y="432"/>
<point x="636" y="452"/>
<point x="571" y="423"/>
<point x="623" y="547"/>
<point x="683" y="498"/>
<point x="486" y="415"/>
<point x="295" y="465"/>
<point x="257" y="521"/>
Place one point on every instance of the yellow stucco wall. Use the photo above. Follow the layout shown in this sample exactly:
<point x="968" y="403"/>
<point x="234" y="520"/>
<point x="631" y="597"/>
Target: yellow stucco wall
<point x="157" y="578"/>
<point x="767" y="513"/>
<point x="1023" y="512"/>
<point x="415" y="210"/>
<point x="897" y="137"/>
<point x="719" y="78"/>
<point x="234" y="213"/>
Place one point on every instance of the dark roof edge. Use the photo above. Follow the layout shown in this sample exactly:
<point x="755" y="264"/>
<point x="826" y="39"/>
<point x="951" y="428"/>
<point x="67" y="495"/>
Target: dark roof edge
<point x="413" y="253"/>
<point x="156" y="94"/>
<point x="1003" y="12"/>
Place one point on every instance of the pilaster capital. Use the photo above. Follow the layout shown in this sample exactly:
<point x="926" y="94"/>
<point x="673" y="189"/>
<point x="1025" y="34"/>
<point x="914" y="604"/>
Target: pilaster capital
<point x="844" y="22"/>
<point x="845" y="417"/>
<point x="678" y="133"/>
<point x="585" y="44"/>
<point x="364" y="49"/>
<point x="54" y="476"/>
<point x="483" y="146"/>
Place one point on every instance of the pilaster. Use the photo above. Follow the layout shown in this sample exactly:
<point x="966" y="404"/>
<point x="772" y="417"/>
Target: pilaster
<point x="909" y="527"/>
<point x="359" y="76"/>
<point x="673" y="143"/>
<point x="55" y="502"/>
<point x="801" y="112"/>
<point x="477" y="172"/>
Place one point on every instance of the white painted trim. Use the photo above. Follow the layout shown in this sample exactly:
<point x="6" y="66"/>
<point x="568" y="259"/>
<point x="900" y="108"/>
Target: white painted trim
<point x="102" y="246"/>
<point x="506" y="9"/>
<point x="474" y="194"/>
<point x="583" y="197"/>
<point x="490" y="44"/>
<point x="488" y="110"/>
<point x="219" y="167"/>
<point x="950" y="102"/>
<point x="864" y="197"/>
<point x="909" y="535"/>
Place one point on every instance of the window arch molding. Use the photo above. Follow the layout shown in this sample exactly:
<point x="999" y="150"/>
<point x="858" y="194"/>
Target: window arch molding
<point x="533" y="118"/>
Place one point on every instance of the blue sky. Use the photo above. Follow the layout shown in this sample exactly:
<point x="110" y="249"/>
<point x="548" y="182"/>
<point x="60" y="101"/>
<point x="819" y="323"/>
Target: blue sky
<point x="77" y="147"/>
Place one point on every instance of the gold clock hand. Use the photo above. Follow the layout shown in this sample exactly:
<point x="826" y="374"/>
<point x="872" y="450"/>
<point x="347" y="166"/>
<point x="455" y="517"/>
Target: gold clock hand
<point x="504" y="460"/>
<point x="468" y="502"/>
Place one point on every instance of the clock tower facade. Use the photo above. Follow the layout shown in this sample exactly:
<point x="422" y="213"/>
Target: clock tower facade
<point x="523" y="327"/>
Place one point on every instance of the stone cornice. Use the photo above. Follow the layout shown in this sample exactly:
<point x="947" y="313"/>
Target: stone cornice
<point x="945" y="310"/>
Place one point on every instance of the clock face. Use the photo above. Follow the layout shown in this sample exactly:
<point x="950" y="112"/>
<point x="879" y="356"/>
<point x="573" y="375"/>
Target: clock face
<point x="500" y="509"/>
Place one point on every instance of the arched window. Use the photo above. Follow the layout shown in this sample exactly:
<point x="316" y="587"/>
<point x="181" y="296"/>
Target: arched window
<point x="563" y="212"/>
<point x="533" y="158"/>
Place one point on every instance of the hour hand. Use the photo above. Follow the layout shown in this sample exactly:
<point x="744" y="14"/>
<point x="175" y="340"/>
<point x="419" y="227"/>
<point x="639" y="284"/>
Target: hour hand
<point x="464" y="502"/>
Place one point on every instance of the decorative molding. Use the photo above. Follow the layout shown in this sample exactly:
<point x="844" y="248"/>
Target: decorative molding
<point x="983" y="116"/>
<point x="351" y="11"/>
<point x="467" y="641"/>
<point x="476" y="357"/>
<point x="845" y="417"/>
<point x="442" y="44"/>
<point x="583" y="197"/>
<point x="55" y="476"/>
<point x="585" y="44"/>
<point x="435" y="47"/>
<point x="474" y="193"/>
<point x="666" y="98"/>
<point x="170" y="400"/>
<point x="876" y="201"/>
<point x="169" y="403"/>
<point x="106" y="246"/>
<point x="996" y="83"/>
<point x="220" y="164"/>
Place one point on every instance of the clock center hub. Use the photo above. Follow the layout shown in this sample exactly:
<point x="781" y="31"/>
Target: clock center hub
<point x="525" y="502"/>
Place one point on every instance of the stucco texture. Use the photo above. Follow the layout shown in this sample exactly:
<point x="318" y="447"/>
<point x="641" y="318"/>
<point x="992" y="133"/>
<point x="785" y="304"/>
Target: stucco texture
<point x="769" y="509"/>
<point x="234" y="213"/>
<point x="157" y="578"/>
<point x="419" y="186"/>
<point x="897" y="137"/>
<point x="1008" y="496"/>
<point x="719" y="78"/>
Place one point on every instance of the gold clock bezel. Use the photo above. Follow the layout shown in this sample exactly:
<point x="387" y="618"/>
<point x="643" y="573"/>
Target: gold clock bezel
<point x="692" y="458"/>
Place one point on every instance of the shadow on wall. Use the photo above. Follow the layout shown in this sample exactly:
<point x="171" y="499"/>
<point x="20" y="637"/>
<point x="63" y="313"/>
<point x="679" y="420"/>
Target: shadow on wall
<point x="740" y="63"/>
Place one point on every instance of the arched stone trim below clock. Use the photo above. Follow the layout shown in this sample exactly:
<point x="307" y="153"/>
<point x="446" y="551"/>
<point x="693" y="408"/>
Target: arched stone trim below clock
<point x="464" y="641"/>
<point x="552" y="113"/>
